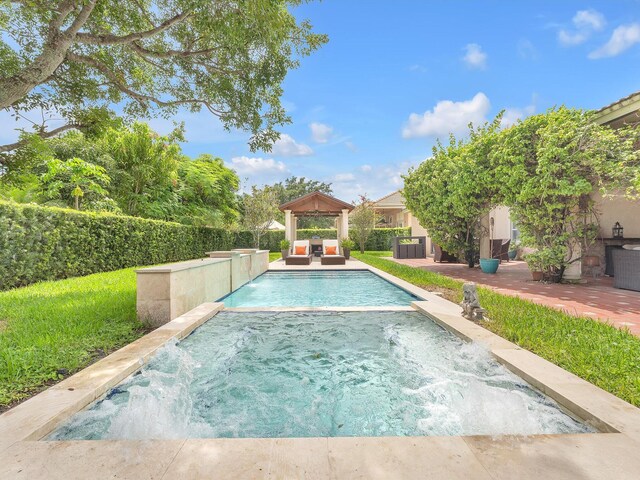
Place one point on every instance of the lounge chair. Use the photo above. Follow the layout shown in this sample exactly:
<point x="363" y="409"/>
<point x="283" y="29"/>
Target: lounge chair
<point x="297" y="258"/>
<point x="441" y="255"/>
<point x="500" y="249"/>
<point x="331" y="258"/>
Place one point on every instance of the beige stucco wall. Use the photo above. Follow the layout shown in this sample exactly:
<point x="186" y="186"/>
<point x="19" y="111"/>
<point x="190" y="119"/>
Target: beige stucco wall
<point x="167" y="291"/>
<point x="618" y="209"/>
<point x="501" y="222"/>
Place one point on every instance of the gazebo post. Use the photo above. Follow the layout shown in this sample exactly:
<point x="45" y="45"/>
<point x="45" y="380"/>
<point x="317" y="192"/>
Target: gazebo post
<point x="287" y="226"/>
<point x="344" y="220"/>
<point x="294" y="232"/>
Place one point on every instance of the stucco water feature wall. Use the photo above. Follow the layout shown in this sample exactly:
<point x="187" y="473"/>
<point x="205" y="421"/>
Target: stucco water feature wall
<point x="167" y="291"/>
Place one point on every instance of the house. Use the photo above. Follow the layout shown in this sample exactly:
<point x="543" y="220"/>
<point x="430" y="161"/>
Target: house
<point x="393" y="213"/>
<point x="614" y="207"/>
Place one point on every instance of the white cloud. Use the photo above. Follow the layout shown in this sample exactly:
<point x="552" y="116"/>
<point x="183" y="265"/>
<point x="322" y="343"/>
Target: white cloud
<point x="344" y="177"/>
<point x="351" y="146"/>
<point x="512" y="115"/>
<point x="375" y="182"/>
<point x="320" y="132"/>
<point x="448" y="117"/>
<point x="585" y="22"/>
<point x="252" y="165"/>
<point x="622" y="38"/>
<point x="569" y="39"/>
<point x="417" y="68"/>
<point x="527" y="50"/>
<point x="286" y="146"/>
<point x="590" y="19"/>
<point x="475" y="57"/>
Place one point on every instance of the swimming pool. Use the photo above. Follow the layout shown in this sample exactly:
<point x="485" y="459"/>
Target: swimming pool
<point x="320" y="288"/>
<point x="317" y="374"/>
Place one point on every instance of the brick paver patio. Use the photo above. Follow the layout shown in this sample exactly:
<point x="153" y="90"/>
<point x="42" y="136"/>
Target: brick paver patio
<point x="596" y="298"/>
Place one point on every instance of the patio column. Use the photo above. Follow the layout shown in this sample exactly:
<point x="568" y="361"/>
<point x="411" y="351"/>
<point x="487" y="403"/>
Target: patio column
<point x="287" y="226"/>
<point x="574" y="270"/>
<point x="294" y="233"/>
<point x="344" y="220"/>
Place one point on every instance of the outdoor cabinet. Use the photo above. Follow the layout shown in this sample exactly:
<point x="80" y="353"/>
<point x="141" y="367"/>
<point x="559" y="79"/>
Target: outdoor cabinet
<point x="409" y="247"/>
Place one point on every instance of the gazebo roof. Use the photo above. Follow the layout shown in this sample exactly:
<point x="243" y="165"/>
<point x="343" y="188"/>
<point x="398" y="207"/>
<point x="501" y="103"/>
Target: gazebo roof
<point x="316" y="203"/>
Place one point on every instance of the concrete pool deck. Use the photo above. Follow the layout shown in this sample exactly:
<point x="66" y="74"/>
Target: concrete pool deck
<point x="590" y="456"/>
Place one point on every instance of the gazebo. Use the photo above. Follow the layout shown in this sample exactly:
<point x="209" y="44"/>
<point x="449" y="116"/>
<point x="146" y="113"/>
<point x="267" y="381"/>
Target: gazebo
<point x="315" y="204"/>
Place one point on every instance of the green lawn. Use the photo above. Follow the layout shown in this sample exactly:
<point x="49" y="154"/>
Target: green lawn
<point x="274" y="256"/>
<point x="601" y="354"/>
<point x="66" y="324"/>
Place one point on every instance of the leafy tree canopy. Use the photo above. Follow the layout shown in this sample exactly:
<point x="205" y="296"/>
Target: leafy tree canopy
<point x="450" y="192"/>
<point x="77" y="57"/>
<point x="128" y="170"/>
<point x="296" y="187"/>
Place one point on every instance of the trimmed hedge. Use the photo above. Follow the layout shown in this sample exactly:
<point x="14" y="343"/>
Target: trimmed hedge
<point x="46" y="243"/>
<point x="43" y="243"/>
<point x="380" y="238"/>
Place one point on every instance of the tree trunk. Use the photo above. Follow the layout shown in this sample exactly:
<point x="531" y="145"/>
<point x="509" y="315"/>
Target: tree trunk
<point x="54" y="51"/>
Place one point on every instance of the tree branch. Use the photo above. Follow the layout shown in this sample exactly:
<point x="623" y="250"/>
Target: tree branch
<point x="90" y="39"/>
<point x="13" y="88"/>
<point x="43" y="134"/>
<point x="141" y="98"/>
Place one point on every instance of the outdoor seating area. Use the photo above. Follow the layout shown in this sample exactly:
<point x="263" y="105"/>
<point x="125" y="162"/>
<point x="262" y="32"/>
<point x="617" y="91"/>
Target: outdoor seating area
<point x="301" y="253"/>
<point x="626" y="265"/>
<point x="500" y="249"/>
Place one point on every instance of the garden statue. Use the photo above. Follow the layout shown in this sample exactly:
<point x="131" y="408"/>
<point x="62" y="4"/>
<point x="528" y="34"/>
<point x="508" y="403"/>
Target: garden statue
<point x="471" y="308"/>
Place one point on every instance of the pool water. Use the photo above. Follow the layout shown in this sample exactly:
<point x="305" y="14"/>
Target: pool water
<point x="303" y="374"/>
<point x="319" y="289"/>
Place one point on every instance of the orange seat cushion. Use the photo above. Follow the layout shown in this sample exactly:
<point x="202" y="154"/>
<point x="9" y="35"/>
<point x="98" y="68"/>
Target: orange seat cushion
<point x="331" y="251"/>
<point x="301" y="250"/>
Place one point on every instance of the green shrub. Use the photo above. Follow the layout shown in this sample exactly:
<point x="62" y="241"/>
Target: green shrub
<point x="380" y="238"/>
<point x="42" y="243"/>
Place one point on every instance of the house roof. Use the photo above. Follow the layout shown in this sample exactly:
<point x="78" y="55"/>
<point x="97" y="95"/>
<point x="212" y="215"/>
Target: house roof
<point x="316" y="203"/>
<point x="385" y="202"/>
<point x="621" y="112"/>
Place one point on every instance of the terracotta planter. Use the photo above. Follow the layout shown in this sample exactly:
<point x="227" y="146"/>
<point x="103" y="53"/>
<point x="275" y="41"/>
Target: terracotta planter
<point x="537" y="276"/>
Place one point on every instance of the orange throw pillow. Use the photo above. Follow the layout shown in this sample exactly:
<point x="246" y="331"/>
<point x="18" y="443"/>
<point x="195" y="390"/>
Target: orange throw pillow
<point x="301" y="250"/>
<point x="331" y="251"/>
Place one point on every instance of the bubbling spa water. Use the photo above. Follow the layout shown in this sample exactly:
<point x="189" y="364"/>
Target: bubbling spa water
<point x="317" y="374"/>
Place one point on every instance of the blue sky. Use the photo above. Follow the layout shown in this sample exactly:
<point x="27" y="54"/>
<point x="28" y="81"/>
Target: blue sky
<point x="397" y="75"/>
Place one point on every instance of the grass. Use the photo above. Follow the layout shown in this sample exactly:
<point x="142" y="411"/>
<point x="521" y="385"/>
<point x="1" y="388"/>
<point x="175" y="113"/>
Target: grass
<point x="52" y="329"/>
<point x="274" y="256"/>
<point x="597" y="352"/>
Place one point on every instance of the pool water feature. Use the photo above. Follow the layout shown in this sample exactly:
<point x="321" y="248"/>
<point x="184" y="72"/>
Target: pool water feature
<point x="317" y="374"/>
<point x="320" y="288"/>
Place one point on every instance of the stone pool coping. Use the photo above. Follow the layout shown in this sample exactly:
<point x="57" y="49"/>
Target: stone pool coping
<point x="597" y="455"/>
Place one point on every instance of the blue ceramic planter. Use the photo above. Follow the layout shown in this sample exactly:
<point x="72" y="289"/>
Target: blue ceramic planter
<point x="489" y="265"/>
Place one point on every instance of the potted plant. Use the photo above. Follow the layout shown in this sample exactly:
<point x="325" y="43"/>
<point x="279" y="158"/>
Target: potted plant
<point x="535" y="263"/>
<point x="284" y="248"/>
<point x="513" y="252"/>
<point x="490" y="265"/>
<point x="347" y="244"/>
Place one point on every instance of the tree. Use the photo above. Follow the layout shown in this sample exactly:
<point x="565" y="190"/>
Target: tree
<point x="145" y="166"/>
<point x="362" y="221"/>
<point x="152" y="57"/>
<point x="259" y="209"/>
<point x="450" y="192"/>
<point x="549" y="165"/>
<point x="207" y="191"/>
<point x="296" y="187"/>
<point x="72" y="179"/>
